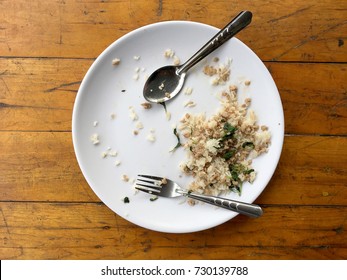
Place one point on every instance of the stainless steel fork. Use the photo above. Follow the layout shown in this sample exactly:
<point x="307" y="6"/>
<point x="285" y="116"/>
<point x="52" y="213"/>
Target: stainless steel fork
<point x="164" y="187"/>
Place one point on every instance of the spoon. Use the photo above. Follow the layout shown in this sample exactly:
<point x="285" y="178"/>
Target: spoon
<point x="166" y="82"/>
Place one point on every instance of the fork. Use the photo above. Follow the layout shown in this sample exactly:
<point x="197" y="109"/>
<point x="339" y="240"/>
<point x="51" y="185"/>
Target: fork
<point x="166" y="188"/>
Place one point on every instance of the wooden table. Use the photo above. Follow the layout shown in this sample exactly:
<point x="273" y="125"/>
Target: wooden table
<point x="48" y="211"/>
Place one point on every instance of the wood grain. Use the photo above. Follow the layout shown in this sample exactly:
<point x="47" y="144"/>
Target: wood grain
<point x="281" y="30"/>
<point x="47" y="209"/>
<point x="314" y="97"/>
<point x="41" y="166"/>
<point x="38" y="94"/>
<point x="91" y="231"/>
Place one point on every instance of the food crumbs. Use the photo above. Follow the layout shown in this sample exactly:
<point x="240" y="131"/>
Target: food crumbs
<point x="150" y="137"/>
<point x="188" y="91"/>
<point x="169" y="53"/>
<point x="176" y="61"/>
<point x="133" y="114"/>
<point x="325" y="193"/>
<point x="220" y="149"/>
<point x="264" y="128"/>
<point x="116" y="61"/>
<point x="113" y="153"/>
<point x="125" y="178"/>
<point x="189" y="103"/>
<point x="161" y="87"/>
<point x="233" y="88"/>
<point x="163" y="181"/>
<point x="139" y="125"/>
<point x="126" y="199"/>
<point x="247" y="82"/>
<point x="95" y="139"/>
<point x="146" y="105"/>
<point x="220" y="74"/>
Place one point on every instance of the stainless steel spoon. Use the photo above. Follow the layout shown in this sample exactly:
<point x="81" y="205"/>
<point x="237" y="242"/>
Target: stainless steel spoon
<point x="166" y="82"/>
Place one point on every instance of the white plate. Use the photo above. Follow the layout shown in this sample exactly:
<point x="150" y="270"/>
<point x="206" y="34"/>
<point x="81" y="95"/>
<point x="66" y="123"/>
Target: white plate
<point x="102" y="94"/>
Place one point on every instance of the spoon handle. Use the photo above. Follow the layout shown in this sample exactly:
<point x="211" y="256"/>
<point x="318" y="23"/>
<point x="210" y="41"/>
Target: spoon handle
<point x="232" y="28"/>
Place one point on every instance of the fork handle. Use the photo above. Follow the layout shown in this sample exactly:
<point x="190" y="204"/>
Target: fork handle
<point x="248" y="209"/>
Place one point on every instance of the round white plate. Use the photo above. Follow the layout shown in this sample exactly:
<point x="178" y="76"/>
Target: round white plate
<point x="108" y="91"/>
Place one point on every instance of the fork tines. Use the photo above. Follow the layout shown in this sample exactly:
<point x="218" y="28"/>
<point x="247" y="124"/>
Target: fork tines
<point x="152" y="186"/>
<point x="151" y="177"/>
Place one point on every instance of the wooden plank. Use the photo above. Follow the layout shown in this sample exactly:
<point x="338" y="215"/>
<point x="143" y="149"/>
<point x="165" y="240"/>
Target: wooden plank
<point x="314" y="97"/>
<point x="48" y="211"/>
<point x="41" y="166"/>
<point x="109" y="252"/>
<point x="91" y="231"/>
<point x="311" y="171"/>
<point x="283" y="31"/>
<point x="38" y="94"/>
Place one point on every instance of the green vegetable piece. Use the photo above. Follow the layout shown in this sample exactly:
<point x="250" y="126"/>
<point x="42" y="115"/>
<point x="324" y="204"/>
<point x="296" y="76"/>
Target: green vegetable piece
<point x="164" y="105"/>
<point x="237" y="189"/>
<point x="229" y="128"/>
<point x="248" y="145"/>
<point x="178" y="140"/>
<point x="126" y="200"/>
<point x="249" y="171"/>
<point x="235" y="175"/>
<point x="235" y="170"/>
<point x="228" y="155"/>
<point x="229" y="131"/>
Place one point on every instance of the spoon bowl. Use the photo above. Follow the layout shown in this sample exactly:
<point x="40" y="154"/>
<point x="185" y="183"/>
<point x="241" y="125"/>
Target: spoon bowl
<point x="166" y="82"/>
